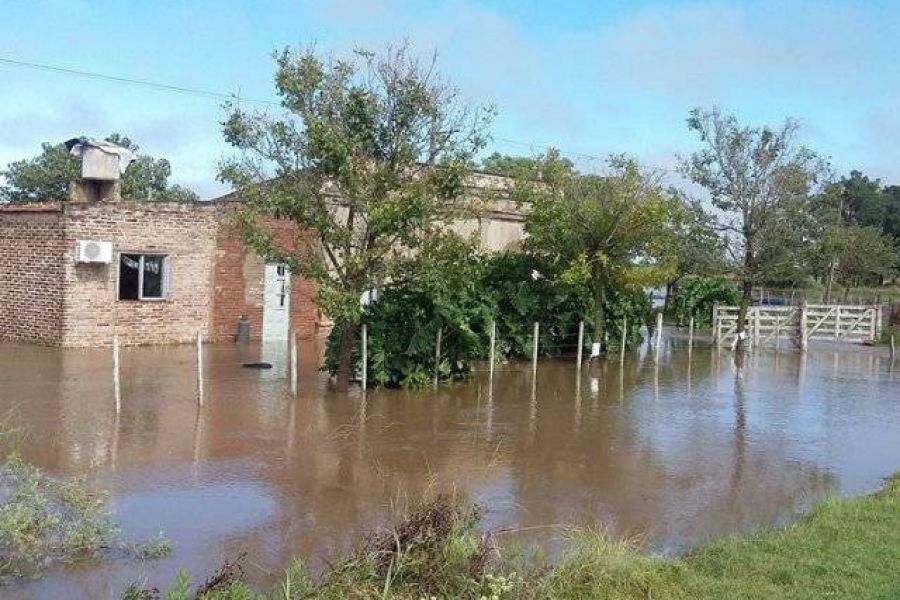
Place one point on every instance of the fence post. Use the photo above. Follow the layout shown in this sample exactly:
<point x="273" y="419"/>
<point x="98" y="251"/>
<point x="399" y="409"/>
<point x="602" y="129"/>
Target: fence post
<point x="437" y="356"/>
<point x="691" y="333"/>
<point x="803" y="339"/>
<point x="534" y="349"/>
<point x="624" y="340"/>
<point x="659" y="326"/>
<point x="837" y="322"/>
<point x="756" y="325"/>
<point x="200" y="367"/>
<point x="580" y="343"/>
<point x="893" y="349"/>
<point x="777" y="331"/>
<point x="874" y="324"/>
<point x="879" y="315"/>
<point x="491" y="353"/>
<point x="715" y="324"/>
<point x="117" y="388"/>
<point x="365" y="357"/>
<point x="294" y="362"/>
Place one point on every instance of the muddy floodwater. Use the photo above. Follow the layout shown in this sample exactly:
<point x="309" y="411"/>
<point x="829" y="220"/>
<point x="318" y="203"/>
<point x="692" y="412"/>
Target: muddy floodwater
<point x="675" y="447"/>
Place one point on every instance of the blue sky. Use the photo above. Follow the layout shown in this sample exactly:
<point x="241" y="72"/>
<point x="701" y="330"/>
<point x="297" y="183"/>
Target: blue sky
<point x="590" y="77"/>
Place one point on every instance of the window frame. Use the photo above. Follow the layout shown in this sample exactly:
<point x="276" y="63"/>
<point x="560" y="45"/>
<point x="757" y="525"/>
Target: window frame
<point x="164" y="283"/>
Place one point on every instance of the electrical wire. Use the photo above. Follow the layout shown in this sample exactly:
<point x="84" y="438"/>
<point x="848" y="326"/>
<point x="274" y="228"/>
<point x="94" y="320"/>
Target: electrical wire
<point x="216" y="95"/>
<point x="131" y="81"/>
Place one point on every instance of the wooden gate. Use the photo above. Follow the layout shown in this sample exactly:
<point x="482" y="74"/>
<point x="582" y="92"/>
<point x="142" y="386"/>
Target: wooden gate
<point x="798" y="324"/>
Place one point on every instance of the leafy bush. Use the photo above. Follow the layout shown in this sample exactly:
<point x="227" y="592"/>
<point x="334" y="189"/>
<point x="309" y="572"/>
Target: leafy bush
<point x="622" y="303"/>
<point x="523" y="290"/>
<point x="460" y="292"/>
<point x="697" y="295"/>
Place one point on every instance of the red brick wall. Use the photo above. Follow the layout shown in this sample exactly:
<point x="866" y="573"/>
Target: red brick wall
<point x="31" y="274"/>
<point x="239" y="281"/>
<point x="92" y="310"/>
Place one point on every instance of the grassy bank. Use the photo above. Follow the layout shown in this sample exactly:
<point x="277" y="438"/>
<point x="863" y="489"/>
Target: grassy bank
<point x="846" y="548"/>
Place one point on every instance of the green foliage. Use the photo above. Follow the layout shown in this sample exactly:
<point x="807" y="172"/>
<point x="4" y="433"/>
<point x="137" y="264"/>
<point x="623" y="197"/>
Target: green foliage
<point x="864" y="255"/>
<point x="526" y="166"/>
<point x="697" y="295"/>
<point x="862" y="202"/>
<point x="47" y="176"/>
<point x="762" y="182"/>
<point x="459" y="291"/>
<point x="696" y="247"/>
<point x="42" y="519"/>
<point x="614" y="229"/>
<point x="45" y="520"/>
<point x="402" y="332"/>
<point x="369" y="159"/>
<point x="524" y="289"/>
<point x="853" y="241"/>
<point x="889" y="332"/>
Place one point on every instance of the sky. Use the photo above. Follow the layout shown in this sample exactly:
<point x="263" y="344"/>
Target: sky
<point x="591" y="78"/>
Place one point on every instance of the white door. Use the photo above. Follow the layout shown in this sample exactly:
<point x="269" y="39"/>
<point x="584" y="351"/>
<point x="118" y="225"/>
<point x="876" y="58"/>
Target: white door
<point x="277" y="303"/>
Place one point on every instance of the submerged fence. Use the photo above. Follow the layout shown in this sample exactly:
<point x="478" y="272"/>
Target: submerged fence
<point x="798" y="324"/>
<point x="569" y="340"/>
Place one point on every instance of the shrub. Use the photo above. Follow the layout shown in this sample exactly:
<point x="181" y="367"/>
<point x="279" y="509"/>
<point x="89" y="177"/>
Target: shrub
<point x="697" y="295"/>
<point x="461" y="297"/>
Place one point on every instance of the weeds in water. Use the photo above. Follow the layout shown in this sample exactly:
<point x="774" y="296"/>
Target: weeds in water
<point x="44" y="520"/>
<point x="155" y="548"/>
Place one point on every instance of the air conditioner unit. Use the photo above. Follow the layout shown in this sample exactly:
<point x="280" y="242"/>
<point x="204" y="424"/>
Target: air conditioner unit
<point x="91" y="251"/>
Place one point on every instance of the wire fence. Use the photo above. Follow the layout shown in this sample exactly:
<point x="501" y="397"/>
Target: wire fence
<point x="564" y="340"/>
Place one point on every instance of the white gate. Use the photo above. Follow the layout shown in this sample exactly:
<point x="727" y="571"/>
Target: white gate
<point x="770" y="324"/>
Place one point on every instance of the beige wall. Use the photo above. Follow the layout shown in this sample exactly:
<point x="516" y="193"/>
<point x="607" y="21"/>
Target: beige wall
<point x="186" y="232"/>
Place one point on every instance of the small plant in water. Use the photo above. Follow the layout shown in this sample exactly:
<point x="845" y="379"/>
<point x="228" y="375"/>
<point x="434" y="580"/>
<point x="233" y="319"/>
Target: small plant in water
<point x="44" y="520"/>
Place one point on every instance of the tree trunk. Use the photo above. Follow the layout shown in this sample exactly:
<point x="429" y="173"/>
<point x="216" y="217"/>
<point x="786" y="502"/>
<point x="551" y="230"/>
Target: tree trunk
<point x="671" y="290"/>
<point x="746" y="289"/>
<point x="831" y="272"/>
<point x="345" y="357"/>
<point x="599" y="291"/>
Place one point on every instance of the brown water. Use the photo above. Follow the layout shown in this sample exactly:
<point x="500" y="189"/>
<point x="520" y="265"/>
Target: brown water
<point x="677" y="448"/>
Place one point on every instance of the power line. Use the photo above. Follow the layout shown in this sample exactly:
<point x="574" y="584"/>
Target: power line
<point x="215" y="95"/>
<point x="139" y="82"/>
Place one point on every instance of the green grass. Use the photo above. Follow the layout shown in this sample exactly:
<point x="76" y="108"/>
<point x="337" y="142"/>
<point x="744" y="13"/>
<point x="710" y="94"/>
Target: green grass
<point x="845" y="548"/>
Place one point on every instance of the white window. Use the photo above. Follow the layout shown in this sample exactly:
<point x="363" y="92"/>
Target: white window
<point x="143" y="276"/>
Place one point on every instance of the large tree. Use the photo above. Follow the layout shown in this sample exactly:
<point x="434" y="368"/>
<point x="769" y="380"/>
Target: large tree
<point x="852" y="235"/>
<point x="368" y="157"/>
<point x="47" y="176"/>
<point x="861" y="201"/>
<point x="613" y="229"/>
<point x="862" y="255"/>
<point x="760" y="180"/>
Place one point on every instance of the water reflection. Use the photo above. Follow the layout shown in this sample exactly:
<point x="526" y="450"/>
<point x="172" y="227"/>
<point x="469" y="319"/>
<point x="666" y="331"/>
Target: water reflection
<point x="676" y="443"/>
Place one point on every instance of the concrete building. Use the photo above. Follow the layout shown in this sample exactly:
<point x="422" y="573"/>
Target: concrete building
<point x="74" y="274"/>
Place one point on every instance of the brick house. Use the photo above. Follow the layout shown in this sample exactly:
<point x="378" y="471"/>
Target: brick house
<point x="161" y="271"/>
<point x="172" y="268"/>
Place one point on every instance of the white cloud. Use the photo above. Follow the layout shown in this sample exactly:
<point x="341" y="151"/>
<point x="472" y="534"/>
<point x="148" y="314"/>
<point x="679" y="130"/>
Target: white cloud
<point x="703" y="50"/>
